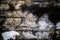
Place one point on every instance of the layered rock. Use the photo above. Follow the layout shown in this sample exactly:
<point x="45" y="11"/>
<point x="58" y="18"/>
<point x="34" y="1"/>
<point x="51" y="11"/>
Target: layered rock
<point x="22" y="21"/>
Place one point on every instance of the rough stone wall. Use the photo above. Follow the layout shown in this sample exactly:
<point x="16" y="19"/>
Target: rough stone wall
<point x="15" y="18"/>
<point x="9" y="12"/>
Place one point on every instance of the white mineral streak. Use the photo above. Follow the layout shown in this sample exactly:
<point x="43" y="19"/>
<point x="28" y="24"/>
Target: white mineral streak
<point x="58" y="25"/>
<point x="10" y="34"/>
<point x="28" y="35"/>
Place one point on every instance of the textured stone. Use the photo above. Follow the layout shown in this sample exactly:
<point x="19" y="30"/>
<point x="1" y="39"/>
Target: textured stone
<point x="12" y="23"/>
<point x="4" y="7"/>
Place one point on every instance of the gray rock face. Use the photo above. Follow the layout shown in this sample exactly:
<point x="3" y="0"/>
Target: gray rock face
<point x="44" y="23"/>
